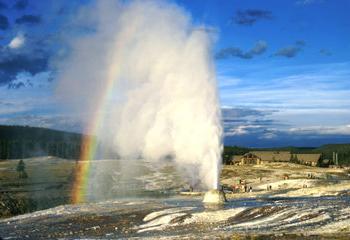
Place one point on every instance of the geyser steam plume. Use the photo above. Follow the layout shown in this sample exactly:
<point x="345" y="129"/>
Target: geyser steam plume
<point x="146" y="75"/>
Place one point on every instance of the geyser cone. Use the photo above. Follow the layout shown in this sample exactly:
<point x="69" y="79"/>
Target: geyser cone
<point x="214" y="196"/>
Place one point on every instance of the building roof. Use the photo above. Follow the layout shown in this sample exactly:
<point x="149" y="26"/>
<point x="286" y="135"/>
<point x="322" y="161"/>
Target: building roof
<point x="237" y="158"/>
<point x="310" y="157"/>
<point x="250" y="155"/>
<point x="278" y="156"/>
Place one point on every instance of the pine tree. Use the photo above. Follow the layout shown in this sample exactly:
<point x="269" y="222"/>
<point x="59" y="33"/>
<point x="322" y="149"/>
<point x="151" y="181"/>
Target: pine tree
<point x="21" y="169"/>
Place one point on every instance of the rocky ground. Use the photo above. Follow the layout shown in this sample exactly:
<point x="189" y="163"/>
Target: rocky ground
<point x="286" y="180"/>
<point x="188" y="218"/>
<point x="303" y="203"/>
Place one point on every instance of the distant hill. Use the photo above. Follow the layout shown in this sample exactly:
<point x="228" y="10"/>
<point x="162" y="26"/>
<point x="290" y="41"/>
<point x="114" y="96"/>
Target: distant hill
<point x="343" y="151"/>
<point x="23" y="142"/>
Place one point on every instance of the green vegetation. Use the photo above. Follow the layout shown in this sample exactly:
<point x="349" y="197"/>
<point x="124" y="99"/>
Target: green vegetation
<point x="21" y="169"/>
<point x="18" y="142"/>
<point x="343" y="151"/>
<point x="11" y="205"/>
<point x="48" y="184"/>
<point x="230" y="151"/>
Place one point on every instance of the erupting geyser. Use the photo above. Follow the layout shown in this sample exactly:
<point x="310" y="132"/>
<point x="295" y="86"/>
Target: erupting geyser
<point x="146" y="75"/>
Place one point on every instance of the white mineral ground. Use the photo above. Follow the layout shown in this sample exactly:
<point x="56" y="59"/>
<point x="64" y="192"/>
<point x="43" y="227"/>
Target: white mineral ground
<point x="326" y="215"/>
<point x="272" y="218"/>
<point x="281" y="220"/>
<point x="325" y="181"/>
<point x="168" y="218"/>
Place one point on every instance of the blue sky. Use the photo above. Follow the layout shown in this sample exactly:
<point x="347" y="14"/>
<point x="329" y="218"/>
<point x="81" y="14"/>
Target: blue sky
<point x="283" y="67"/>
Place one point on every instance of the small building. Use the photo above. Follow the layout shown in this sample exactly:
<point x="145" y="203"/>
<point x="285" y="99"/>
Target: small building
<point x="248" y="158"/>
<point x="273" y="156"/>
<point x="236" y="159"/>
<point x="309" y="159"/>
<point x="263" y="157"/>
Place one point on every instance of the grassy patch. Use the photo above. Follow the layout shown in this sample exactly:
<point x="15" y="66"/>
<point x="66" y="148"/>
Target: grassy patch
<point x="48" y="184"/>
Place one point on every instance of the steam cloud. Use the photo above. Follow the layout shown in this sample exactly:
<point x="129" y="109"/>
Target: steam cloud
<point x="163" y="101"/>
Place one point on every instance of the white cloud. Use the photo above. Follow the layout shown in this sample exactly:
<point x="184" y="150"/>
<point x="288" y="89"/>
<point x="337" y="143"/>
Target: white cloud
<point x="320" y="85"/>
<point x="268" y="135"/>
<point x="241" y="130"/>
<point x="17" y="41"/>
<point x="323" y="130"/>
<point x="7" y="107"/>
<point x="226" y="81"/>
<point x="308" y="2"/>
<point x="305" y="2"/>
<point x="27" y="80"/>
<point x="25" y="94"/>
<point x="60" y="122"/>
<point x="304" y="95"/>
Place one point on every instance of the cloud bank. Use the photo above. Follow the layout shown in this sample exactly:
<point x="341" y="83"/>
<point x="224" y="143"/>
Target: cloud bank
<point x="259" y="48"/>
<point x="292" y="50"/>
<point x="251" y="16"/>
<point x="29" y="19"/>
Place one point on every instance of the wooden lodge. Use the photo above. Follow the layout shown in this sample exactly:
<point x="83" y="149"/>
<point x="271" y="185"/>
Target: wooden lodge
<point x="265" y="157"/>
<point x="308" y="159"/>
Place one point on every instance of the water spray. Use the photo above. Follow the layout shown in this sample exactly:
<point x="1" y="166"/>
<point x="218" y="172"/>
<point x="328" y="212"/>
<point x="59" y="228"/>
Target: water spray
<point x="149" y="77"/>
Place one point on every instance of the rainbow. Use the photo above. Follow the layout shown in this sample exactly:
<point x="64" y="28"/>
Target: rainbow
<point x="89" y="143"/>
<point x="80" y="185"/>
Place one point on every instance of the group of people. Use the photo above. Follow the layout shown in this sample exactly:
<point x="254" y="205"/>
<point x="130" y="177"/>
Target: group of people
<point x="248" y="189"/>
<point x="242" y="187"/>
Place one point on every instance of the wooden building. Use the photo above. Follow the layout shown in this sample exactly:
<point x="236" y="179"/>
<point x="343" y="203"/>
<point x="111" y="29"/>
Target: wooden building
<point x="248" y="158"/>
<point x="264" y="157"/>
<point x="309" y="159"/>
<point x="236" y="159"/>
<point x="273" y="156"/>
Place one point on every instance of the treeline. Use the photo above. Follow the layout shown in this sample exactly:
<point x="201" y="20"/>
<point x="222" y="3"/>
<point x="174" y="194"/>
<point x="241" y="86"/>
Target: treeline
<point x="23" y="142"/>
<point x="343" y="151"/>
<point x="230" y="151"/>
